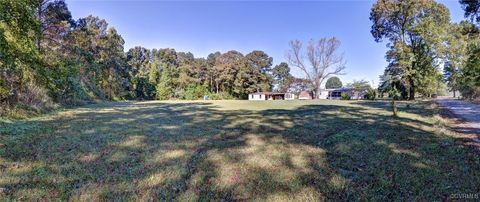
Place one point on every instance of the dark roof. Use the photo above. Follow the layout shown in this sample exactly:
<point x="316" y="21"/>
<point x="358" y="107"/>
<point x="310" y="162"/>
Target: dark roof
<point x="340" y="90"/>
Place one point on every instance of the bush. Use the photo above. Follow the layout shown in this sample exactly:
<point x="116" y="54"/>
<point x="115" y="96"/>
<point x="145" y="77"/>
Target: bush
<point x="371" y="94"/>
<point x="143" y="88"/>
<point x="194" y="92"/>
<point x="5" y="92"/>
<point x="345" y="96"/>
<point x="36" y="98"/>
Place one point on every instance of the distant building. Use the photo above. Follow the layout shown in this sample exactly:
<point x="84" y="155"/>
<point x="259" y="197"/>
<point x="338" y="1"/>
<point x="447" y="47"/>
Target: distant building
<point x="305" y="95"/>
<point x="270" y="96"/>
<point x="336" y="94"/>
<point x="323" y="94"/>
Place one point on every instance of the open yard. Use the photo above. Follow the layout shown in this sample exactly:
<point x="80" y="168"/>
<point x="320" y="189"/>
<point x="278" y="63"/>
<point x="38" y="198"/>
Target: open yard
<point x="237" y="150"/>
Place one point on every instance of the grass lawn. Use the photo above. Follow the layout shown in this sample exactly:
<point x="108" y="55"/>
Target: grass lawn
<point x="237" y="150"/>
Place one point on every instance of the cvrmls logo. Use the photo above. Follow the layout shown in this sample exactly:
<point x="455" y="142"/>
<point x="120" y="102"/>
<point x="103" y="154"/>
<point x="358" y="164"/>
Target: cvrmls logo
<point x="465" y="196"/>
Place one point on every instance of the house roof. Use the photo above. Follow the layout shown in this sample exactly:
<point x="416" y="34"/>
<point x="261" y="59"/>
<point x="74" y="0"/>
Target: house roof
<point x="304" y="94"/>
<point x="339" y="89"/>
<point x="267" y="93"/>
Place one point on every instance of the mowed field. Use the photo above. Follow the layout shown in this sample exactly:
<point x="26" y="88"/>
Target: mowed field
<point x="237" y="150"/>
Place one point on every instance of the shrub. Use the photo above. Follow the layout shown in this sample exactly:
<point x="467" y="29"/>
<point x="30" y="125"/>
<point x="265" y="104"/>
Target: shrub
<point x="5" y="92"/>
<point x="395" y="95"/>
<point x="194" y="92"/>
<point x="371" y="94"/>
<point x="36" y="98"/>
<point x="345" y="96"/>
<point x="143" y="88"/>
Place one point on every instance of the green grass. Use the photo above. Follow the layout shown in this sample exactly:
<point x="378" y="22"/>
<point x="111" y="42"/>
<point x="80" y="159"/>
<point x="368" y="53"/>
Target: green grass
<point x="236" y="150"/>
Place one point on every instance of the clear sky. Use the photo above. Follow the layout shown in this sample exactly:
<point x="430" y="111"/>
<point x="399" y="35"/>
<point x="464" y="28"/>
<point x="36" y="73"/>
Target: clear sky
<point x="203" y="27"/>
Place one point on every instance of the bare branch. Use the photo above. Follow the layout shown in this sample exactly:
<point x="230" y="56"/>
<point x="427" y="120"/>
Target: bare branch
<point x="323" y="59"/>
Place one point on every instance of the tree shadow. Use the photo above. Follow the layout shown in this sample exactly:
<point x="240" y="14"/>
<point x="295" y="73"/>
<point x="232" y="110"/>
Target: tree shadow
<point x="180" y="151"/>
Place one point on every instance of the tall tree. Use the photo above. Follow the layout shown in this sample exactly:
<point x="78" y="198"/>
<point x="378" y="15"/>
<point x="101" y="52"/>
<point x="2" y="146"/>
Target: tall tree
<point x="211" y="71"/>
<point x="227" y="66"/>
<point x="19" y="30"/>
<point x="456" y="54"/>
<point x="55" y="22"/>
<point x="472" y="9"/>
<point x="415" y="29"/>
<point x="333" y="82"/>
<point x="261" y="66"/>
<point x="116" y="80"/>
<point x="138" y="58"/>
<point x="297" y="85"/>
<point x="360" y="85"/>
<point x="323" y="60"/>
<point x="281" y="75"/>
<point x="186" y="69"/>
<point x="469" y="76"/>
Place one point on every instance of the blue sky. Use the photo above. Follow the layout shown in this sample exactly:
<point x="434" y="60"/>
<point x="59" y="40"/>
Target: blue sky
<point x="203" y="27"/>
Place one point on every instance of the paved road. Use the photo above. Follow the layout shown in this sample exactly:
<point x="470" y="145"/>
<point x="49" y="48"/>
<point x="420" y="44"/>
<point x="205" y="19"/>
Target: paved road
<point x="468" y="112"/>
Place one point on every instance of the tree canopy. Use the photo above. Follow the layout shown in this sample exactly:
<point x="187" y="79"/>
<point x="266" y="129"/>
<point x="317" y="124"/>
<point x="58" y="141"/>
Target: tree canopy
<point x="47" y="57"/>
<point x="322" y="60"/>
<point x="333" y="82"/>
<point x="416" y="30"/>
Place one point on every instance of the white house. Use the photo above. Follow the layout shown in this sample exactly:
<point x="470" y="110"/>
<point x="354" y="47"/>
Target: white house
<point x="336" y="94"/>
<point x="270" y="96"/>
<point x="323" y="94"/>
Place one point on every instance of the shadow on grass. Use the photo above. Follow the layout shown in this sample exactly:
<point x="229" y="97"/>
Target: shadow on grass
<point x="192" y="151"/>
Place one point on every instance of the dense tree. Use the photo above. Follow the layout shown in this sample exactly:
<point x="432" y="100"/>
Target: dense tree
<point x="468" y="77"/>
<point x="211" y="71"/>
<point x="415" y="30"/>
<point x="186" y="69"/>
<point x="297" y="85"/>
<point x="45" y="54"/>
<point x="55" y="21"/>
<point x="19" y="30"/>
<point x="323" y="60"/>
<point x="281" y="75"/>
<point x="246" y="81"/>
<point x="116" y="83"/>
<point x="359" y="85"/>
<point x="261" y="66"/>
<point x="472" y="9"/>
<point x="166" y="85"/>
<point x="138" y="59"/>
<point x="456" y="54"/>
<point x="227" y="65"/>
<point x="333" y="82"/>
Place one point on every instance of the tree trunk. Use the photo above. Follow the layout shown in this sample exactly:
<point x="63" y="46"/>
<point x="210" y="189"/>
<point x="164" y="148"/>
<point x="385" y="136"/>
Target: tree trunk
<point x="412" y="88"/>
<point x="39" y="16"/>
<point x="454" y="93"/>
<point x="211" y="84"/>
<point x="318" y="93"/>
<point x="394" y="108"/>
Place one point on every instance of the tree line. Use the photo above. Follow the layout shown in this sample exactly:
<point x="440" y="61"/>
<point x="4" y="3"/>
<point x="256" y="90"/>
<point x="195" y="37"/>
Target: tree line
<point x="421" y="41"/>
<point x="48" y="58"/>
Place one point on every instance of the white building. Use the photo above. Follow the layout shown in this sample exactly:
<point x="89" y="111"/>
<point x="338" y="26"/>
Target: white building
<point x="270" y="96"/>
